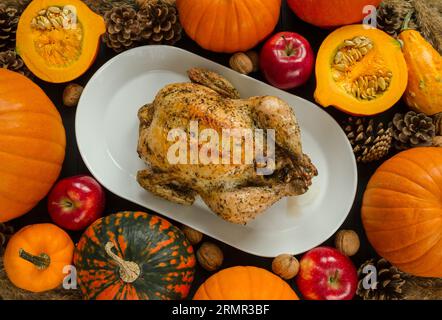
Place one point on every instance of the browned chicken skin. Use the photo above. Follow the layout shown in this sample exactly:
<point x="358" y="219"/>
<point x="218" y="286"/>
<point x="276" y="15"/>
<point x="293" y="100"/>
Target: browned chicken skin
<point x="236" y="192"/>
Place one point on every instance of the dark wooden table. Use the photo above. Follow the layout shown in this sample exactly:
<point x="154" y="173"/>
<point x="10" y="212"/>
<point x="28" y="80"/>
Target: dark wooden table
<point x="74" y="165"/>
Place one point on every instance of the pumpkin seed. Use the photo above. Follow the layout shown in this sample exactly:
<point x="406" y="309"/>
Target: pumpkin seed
<point x="53" y="17"/>
<point x="382" y="84"/>
<point x="55" y="23"/>
<point x="54" y="9"/>
<point x="43" y="22"/>
<point x="338" y="57"/>
<point x="366" y="87"/>
<point x="340" y="67"/>
<point x="352" y="51"/>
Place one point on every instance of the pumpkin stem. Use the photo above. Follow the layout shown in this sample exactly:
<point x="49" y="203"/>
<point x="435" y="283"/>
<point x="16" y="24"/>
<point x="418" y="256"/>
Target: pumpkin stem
<point x="407" y="21"/>
<point x="129" y="270"/>
<point x="42" y="261"/>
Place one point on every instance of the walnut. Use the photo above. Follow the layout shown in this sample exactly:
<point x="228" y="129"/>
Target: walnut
<point x="71" y="94"/>
<point x="241" y="63"/>
<point x="254" y="57"/>
<point x="437" y="141"/>
<point x="437" y="120"/>
<point x="286" y="266"/>
<point x="210" y="256"/>
<point x="347" y="241"/>
<point x="192" y="235"/>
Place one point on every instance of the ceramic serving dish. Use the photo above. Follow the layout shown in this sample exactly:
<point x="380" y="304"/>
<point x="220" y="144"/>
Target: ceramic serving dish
<point x="107" y="135"/>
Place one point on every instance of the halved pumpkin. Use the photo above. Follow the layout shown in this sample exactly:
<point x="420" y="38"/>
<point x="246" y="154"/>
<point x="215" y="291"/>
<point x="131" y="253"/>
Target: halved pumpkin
<point x="59" y="39"/>
<point x="360" y="70"/>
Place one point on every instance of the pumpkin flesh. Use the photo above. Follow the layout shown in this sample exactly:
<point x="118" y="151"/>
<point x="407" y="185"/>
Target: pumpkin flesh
<point x="58" y="39"/>
<point x="360" y="70"/>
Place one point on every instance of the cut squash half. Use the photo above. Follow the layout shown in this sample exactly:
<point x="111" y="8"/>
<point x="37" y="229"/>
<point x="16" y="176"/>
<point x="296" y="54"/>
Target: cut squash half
<point x="360" y="70"/>
<point x="59" y="39"/>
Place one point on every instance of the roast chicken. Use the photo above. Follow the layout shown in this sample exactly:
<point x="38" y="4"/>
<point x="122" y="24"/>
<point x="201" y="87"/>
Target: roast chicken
<point x="237" y="192"/>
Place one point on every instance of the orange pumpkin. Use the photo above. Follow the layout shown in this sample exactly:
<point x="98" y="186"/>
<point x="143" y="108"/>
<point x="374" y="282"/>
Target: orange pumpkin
<point x="36" y="256"/>
<point x="331" y="13"/>
<point x="245" y="283"/>
<point x="355" y="89"/>
<point x="59" y="40"/>
<point x="402" y="212"/>
<point x="228" y="26"/>
<point x="424" y="91"/>
<point x="32" y="144"/>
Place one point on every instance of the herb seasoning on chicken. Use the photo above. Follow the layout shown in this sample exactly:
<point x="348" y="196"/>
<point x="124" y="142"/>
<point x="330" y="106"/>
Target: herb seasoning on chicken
<point x="236" y="192"/>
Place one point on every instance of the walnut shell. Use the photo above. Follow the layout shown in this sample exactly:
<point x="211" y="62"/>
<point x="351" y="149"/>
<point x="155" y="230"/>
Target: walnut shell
<point x="192" y="235"/>
<point x="347" y="241"/>
<point x="72" y="94"/>
<point x="241" y="63"/>
<point x="286" y="266"/>
<point x="254" y="57"/>
<point x="437" y="141"/>
<point x="210" y="256"/>
<point x="142" y="3"/>
<point x="437" y="120"/>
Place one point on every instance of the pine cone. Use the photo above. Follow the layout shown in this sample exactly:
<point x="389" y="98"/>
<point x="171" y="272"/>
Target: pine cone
<point x="9" y="16"/>
<point x="142" y="3"/>
<point x="412" y="130"/>
<point x="19" y="4"/>
<point x="426" y="18"/>
<point x="370" y="142"/>
<point x="10" y="60"/>
<point x="99" y="6"/>
<point x="389" y="283"/>
<point x="5" y="233"/>
<point x="123" y="29"/>
<point x="437" y="120"/>
<point x="102" y="6"/>
<point x="160" y="22"/>
<point x="391" y="15"/>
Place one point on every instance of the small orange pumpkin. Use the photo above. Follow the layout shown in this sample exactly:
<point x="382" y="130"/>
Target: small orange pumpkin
<point x="424" y="91"/>
<point x="351" y="63"/>
<point x="331" y="13"/>
<point x="402" y="212"/>
<point x="32" y="144"/>
<point x="59" y="40"/>
<point x="228" y="26"/>
<point x="245" y="283"/>
<point x="36" y="256"/>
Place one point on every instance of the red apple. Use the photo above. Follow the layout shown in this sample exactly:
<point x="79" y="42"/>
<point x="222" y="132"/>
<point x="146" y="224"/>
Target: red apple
<point x="75" y="203"/>
<point x="327" y="274"/>
<point x="287" y="60"/>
